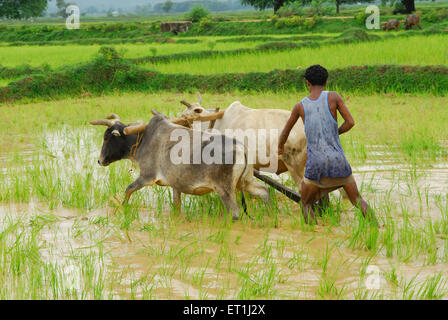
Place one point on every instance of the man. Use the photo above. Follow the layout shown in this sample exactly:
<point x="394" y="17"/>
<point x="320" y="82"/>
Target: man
<point x="326" y="167"/>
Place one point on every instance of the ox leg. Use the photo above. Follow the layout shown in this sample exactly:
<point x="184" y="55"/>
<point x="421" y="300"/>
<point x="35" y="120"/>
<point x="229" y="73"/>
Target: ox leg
<point x="177" y="199"/>
<point x="229" y="200"/>
<point x="258" y="190"/>
<point x="134" y="186"/>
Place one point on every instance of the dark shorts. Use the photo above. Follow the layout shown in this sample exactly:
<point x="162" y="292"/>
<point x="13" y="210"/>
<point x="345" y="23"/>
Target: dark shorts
<point x="328" y="182"/>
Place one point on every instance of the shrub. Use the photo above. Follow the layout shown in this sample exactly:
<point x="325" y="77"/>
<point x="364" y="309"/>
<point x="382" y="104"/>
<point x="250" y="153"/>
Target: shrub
<point x="309" y="23"/>
<point x="109" y="53"/>
<point x="399" y="7"/>
<point x="361" y="17"/>
<point x="328" y="10"/>
<point x="293" y="21"/>
<point x="197" y="13"/>
<point x="436" y="15"/>
<point x="317" y="7"/>
<point x="291" y="9"/>
<point x="274" y="18"/>
<point x="205" y="24"/>
<point x="280" y="23"/>
<point x="317" y="19"/>
<point x="48" y="28"/>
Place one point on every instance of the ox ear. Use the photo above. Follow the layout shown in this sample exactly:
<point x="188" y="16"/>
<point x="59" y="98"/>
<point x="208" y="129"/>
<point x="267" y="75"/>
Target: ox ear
<point x="116" y="133"/>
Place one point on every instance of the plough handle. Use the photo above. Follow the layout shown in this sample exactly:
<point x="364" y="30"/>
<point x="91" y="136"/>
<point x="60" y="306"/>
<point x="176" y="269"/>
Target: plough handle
<point x="291" y="194"/>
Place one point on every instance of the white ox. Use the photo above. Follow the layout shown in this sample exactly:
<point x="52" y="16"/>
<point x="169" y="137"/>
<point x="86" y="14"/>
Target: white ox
<point x="237" y="116"/>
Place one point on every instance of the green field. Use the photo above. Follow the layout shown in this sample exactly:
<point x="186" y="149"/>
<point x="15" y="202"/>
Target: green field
<point x="419" y="50"/>
<point x="64" y="233"/>
<point x="57" y="56"/>
<point x="146" y="251"/>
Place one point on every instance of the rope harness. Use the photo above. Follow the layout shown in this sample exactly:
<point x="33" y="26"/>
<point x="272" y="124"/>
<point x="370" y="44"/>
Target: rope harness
<point x="134" y="147"/>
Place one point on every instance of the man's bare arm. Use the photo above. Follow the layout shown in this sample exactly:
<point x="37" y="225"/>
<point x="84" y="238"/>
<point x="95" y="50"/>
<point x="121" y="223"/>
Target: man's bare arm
<point x="295" y="115"/>
<point x="349" y="122"/>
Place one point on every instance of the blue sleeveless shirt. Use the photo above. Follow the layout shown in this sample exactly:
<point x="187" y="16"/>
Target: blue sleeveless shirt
<point x="325" y="157"/>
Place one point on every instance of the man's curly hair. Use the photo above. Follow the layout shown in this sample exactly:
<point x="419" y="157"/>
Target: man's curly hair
<point x="316" y="75"/>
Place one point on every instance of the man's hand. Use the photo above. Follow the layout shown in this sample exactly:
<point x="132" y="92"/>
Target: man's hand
<point x="280" y="150"/>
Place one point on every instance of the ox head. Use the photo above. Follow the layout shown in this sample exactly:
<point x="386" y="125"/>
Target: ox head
<point x="194" y="108"/>
<point x="116" y="144"/>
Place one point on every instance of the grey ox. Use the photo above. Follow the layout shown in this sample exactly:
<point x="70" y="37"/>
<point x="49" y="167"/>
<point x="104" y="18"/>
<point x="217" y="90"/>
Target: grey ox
<point x="151" y="151"/>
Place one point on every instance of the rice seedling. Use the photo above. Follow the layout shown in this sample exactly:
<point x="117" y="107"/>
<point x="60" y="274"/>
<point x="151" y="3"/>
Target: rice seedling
<point x="426" y="50"/>
<point x="58" y="56"/>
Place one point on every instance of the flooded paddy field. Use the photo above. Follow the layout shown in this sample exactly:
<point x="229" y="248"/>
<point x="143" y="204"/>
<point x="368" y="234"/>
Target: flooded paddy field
<point x="64" y="233"/>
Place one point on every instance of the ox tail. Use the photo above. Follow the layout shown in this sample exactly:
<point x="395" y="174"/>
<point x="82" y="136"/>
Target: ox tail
<point x="243" y="175"/>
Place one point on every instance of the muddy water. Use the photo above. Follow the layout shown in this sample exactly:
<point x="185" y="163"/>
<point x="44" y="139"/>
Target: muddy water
<point x="169" y="256"/>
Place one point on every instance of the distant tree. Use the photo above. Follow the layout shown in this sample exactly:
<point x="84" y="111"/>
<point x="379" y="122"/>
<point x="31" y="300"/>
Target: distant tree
<point x="263" y="4"/>
<point x="408" y="6"/>
<point x="167" y="6"/>
<point x="62" y="6"/>
<point x="339" y="2"/>
<point x="197" y="13"/>
<point x="22" y="9"/>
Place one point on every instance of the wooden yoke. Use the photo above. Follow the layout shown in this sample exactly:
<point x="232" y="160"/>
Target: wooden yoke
<point x="212" y="122"/>
<point x="135" y="129"/>
<point x="188" y="119"/>
<point x="185" y="121"/>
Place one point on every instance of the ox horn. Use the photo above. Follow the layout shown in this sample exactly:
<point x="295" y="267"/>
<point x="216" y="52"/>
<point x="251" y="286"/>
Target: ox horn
<point x="185" y="103"/>
<point x="135" y="129"/>
<point x="155" y="112"/>
<point x="111" y="120"/>
<point x="102" y="122"/>
<point x="199" y="98"/>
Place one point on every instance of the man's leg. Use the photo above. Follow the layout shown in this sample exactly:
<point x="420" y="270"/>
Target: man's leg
<point x="323" y="200"/>
<point x="309" y="195"/>
<point x="355" y="198"/>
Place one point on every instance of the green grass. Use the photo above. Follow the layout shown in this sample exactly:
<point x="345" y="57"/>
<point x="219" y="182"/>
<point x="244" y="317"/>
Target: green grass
<point x="418" y="50"/>
<point x="57" y="56"/>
